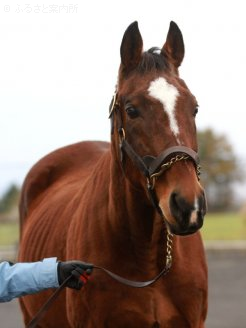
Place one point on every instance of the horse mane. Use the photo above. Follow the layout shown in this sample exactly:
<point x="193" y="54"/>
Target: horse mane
<point x="153" y="59"/>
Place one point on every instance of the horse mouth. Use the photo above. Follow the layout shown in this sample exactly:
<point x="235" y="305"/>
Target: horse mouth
<point x="183" y="231"/>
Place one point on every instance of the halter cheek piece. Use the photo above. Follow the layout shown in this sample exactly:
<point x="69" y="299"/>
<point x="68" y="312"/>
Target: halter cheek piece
<point x="150" y="166"/>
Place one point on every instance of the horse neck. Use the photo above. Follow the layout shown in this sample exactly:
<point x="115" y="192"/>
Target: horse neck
<point x="136" y="222"/>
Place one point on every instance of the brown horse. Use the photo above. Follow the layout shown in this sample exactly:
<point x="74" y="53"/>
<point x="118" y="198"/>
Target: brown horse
<point x="115" y="204"/>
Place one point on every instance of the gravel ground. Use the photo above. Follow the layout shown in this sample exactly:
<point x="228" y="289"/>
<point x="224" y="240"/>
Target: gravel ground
<point x="227" y="292"/>
<point x="227" y="289"/>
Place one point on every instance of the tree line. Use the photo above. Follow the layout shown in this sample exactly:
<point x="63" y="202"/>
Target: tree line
<point x="221" y="169"/>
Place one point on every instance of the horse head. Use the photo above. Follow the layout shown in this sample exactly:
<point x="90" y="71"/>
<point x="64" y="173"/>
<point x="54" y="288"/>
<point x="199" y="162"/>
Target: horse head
<point x="153" y="115"/>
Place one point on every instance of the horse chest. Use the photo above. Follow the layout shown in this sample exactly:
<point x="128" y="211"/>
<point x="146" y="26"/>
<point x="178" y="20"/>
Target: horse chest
<point x="126" y="307"/>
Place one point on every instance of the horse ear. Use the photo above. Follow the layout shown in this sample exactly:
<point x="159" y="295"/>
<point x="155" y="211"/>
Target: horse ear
<point x="174" y="45"/>
<point x="131" y="47"/>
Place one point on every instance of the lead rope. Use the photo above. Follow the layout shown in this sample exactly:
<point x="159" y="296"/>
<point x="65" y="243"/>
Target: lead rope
<point x="137" y="284"/>
<point x="33" y="323"/>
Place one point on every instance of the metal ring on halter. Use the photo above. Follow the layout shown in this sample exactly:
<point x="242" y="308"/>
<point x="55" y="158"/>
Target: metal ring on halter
<point x="113" y="103"/>
<point x="151" y="182"/>
<point x="122" y="134"/>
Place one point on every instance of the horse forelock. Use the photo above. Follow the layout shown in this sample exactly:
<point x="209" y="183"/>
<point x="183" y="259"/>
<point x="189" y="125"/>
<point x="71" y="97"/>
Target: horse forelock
<point x="153" y="59"/>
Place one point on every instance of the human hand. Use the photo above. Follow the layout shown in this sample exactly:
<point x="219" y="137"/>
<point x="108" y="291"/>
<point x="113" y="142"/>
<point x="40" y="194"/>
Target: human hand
<point x="79" y="272"/>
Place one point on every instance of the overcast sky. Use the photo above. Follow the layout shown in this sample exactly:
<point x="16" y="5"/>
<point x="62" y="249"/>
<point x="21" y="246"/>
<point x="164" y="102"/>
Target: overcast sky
<point x="59" y="62"/>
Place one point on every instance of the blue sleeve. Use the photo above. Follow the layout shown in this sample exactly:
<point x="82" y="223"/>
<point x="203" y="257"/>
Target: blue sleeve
<point x="27" y="278"/>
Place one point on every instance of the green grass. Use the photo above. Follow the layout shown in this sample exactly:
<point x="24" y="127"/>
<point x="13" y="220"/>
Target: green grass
<point x="219" y="226"/>
<point x="9" y="233"/>
<point x="224" y="226"/>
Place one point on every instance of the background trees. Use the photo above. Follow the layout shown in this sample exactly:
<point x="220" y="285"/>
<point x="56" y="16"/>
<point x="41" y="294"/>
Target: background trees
<point x="220" y="169"/>
<point x="9" y="199"/>
<point x="9" y="204"/>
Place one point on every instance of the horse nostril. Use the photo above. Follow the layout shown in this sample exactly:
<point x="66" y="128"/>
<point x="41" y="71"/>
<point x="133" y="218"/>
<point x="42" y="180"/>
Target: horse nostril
<point x="188" y="216"/>
<point x="179" y="205"/>
<point x="173" y="201"/>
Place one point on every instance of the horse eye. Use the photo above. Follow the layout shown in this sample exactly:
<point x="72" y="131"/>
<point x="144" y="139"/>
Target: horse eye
<point x="195" y="111"/>
<point x="132" y="112"/>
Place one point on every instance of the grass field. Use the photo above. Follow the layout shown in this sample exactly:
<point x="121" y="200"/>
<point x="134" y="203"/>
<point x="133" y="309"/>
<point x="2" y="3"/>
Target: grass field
<point x="224" y="226"/>
<point x="9" y="233"/>
<point x="219" y="226"/>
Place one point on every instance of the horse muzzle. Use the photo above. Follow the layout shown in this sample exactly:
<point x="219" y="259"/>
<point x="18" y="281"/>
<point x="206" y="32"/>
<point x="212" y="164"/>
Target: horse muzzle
<point x="187" y="218"/>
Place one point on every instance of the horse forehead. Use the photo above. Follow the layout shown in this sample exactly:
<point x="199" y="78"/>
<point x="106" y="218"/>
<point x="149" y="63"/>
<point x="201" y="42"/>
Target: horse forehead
<point x="167" y="94"/>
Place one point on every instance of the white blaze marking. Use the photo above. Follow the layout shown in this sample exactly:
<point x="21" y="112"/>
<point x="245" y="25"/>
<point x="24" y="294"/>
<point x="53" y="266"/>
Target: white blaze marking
<point x="167" y="94"/>
<point x="193" y="217"/>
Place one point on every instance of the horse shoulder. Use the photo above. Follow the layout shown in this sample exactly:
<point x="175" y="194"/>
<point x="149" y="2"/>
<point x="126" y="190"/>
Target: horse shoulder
<point x="63" y="163"/>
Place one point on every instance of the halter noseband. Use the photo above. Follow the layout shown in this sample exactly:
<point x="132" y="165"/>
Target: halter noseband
<point x="150" y="166"/>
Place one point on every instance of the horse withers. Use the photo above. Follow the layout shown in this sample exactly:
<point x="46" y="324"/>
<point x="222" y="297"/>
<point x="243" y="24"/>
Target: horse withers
<point x="120" y="205"/>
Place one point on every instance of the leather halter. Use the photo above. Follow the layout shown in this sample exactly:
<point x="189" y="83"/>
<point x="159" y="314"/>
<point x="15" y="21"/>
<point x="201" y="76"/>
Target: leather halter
<point x="150" y="166"/>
